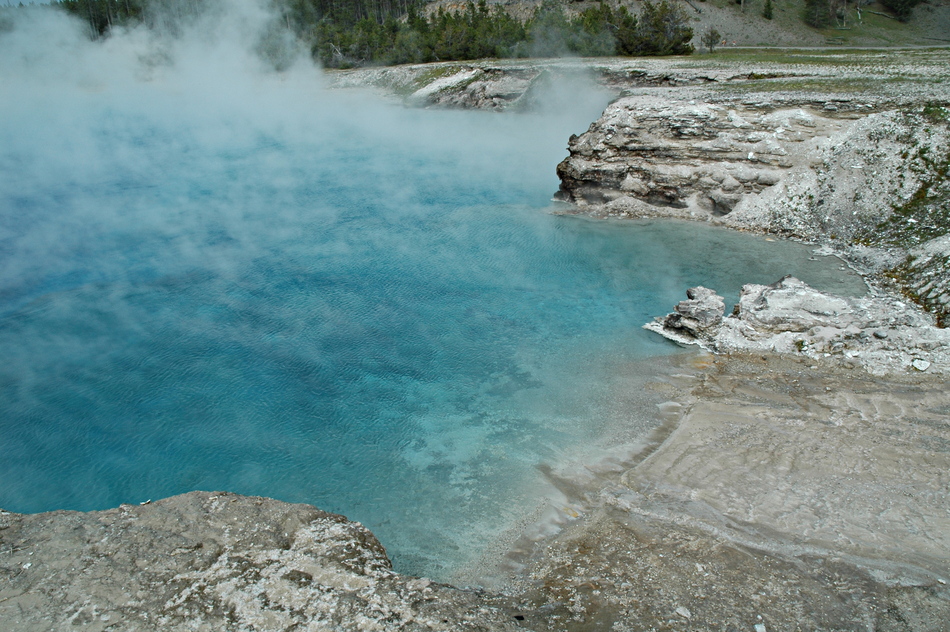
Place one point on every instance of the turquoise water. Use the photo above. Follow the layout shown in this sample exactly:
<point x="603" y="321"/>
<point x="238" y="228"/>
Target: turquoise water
<point x="255" y="285"/>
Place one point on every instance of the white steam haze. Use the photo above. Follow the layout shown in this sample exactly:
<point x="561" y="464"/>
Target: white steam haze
<point x="74" y="109"/>
<point x="216" y="275"/>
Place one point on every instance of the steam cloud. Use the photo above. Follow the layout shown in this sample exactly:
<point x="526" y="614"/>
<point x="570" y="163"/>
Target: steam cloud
<point x="142" y="107"/>
<point x="217" y="274"/>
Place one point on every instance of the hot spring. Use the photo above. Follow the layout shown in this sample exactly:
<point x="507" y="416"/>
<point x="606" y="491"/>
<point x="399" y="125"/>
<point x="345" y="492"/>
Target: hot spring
<point x="215" y="277"/>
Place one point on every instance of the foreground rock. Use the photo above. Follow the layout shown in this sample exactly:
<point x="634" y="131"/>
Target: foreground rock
<point x="882" y="334"/>
<point x="216" y="561"/>
<point x="779" y="495"/>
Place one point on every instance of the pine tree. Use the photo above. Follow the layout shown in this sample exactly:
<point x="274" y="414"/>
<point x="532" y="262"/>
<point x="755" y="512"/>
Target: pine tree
<point x="710" y="38"/>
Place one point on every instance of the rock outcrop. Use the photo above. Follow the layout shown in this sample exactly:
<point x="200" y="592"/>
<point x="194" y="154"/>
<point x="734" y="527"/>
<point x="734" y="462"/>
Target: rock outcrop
<point x="873" y="185"/>
<point x="883" y="334"/>
<point x="493" y="85"/>
<point x="477" y="88"/>
<point x="683" y="157"/>
<point x="810" y="170"/>
<point x="701" y="312"/>
<point x="217" y="561"/>
<point x="477" y="85"/>
<point x="926" y="273"/>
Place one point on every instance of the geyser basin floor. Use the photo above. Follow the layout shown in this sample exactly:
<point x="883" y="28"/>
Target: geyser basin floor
<point x="220" y="281"/>
<point x="788" y="493"/>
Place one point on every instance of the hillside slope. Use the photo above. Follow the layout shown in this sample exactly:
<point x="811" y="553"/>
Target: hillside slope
<point x="745" y="26"/>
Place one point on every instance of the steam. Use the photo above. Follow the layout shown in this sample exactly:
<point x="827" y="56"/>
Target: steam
<point x="217" y="274"/>
<point x="97" y="136"/>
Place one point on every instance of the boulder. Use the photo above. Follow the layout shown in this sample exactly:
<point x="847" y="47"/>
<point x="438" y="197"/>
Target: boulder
<point x="696" y="318"/>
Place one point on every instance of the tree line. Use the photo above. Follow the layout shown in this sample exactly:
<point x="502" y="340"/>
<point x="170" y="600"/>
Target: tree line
<point x="103" y="15"/>
<point x="346" y="33"/>
<point x="478" y="31"/>
<point x="354" y="32"/>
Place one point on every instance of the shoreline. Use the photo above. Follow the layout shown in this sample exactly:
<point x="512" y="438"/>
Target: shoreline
<point x="746" y="492"/>
<point x="776" y="491"/>
<point x="779" y="492"/>
<point x="572" y="486"/>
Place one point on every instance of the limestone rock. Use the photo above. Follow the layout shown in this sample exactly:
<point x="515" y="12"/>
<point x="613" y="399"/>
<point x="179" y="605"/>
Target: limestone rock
<point x="881" y="333"/>
<point x="702" y="312"/>
<point x="723" y="203"/>
<point x="792" y="170"/>
<point x="688" y="151"/>
<point x="216" y="561"/>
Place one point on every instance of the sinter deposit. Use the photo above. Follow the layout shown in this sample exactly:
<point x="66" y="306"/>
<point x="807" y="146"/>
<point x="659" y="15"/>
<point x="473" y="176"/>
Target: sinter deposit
<point x="217" y="561"/>
<point x="881" y="333"/>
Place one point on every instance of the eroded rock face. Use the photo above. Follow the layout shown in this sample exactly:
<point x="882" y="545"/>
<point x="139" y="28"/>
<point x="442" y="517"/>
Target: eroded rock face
<point x="216" y="561"/>
<point x="882" y="334"/>
<point x="803" y="170"/>
<point x="698" y="157"/>
<point x="701" y="312"/>
<point x="477" y="88"/>
<point x="871" y="183"/>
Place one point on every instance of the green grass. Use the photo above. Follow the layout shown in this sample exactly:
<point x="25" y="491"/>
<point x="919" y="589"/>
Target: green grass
<point x="848" y="56"/>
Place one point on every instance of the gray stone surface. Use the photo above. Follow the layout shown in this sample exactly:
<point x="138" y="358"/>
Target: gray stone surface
<point x="781" y="494"/>
<point x="767" y="166"/>
<point x="880" y="333"/>
<point x="702" y="311"/>
<point x="217" y="561"/>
